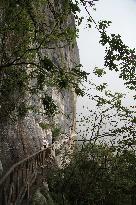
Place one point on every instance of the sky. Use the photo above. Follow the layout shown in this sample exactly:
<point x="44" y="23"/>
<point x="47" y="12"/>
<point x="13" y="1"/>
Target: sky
<point x="122" y="13"/>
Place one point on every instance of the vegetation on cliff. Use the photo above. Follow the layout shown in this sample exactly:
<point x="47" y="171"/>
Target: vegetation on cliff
<point x="29" y="30"/>
<point x="98" y="173"/>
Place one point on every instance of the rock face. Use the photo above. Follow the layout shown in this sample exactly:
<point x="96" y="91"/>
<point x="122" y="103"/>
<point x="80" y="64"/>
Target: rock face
<point x="25" y="137"/>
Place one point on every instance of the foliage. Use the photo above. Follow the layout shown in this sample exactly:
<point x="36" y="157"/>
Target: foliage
<point x="25" y="48"/>
<point x="101" y="169"/>
<point x="99" y="72"/>
<point x="29" y="31"/>
<point x="97" y="174"/>
<point x="119" y="57"/>
<point x="109" y="121"/>
<point x="56" y="131"/>
<point x="49" y="106"/>
<point x="44" y="126"/>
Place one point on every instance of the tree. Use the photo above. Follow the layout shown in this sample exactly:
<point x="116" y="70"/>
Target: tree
<point x="97" y="173"/>
<point x="27" y="37"/>
<point x="24" y="49"/>
<point x="100" y="172"/>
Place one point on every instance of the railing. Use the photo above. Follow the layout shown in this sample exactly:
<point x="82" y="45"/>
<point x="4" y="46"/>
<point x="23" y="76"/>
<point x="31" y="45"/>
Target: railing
<point x="16" y="184"/>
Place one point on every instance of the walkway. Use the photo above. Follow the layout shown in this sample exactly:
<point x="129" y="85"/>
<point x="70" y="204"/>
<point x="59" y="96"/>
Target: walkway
<point x="17" y="182"/>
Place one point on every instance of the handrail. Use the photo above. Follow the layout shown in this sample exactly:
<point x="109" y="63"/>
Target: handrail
<point x="18" y="163"/>
<point x="16" y="183"/>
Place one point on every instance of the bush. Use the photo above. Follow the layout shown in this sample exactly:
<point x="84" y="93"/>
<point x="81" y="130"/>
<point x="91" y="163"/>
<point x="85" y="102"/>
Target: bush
<point x="96" y="175"/>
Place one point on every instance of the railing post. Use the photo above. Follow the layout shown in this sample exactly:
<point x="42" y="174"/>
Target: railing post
<point x="27" y="179"/>
<point x="11" y="188"/>
<point x="3" y="198"/>
<point x="17" y="185"/>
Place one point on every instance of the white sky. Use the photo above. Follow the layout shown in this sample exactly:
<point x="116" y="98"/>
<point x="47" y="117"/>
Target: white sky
<point x="122" y="13"/>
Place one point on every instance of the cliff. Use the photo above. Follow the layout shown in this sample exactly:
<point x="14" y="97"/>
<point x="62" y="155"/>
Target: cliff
<point x="26" y="135"/>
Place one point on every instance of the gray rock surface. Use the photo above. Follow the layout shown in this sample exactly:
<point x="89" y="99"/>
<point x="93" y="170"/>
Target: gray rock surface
<point x="22" y="138"/>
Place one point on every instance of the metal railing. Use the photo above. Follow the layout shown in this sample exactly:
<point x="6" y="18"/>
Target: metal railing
<point x="16" y="184"/>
